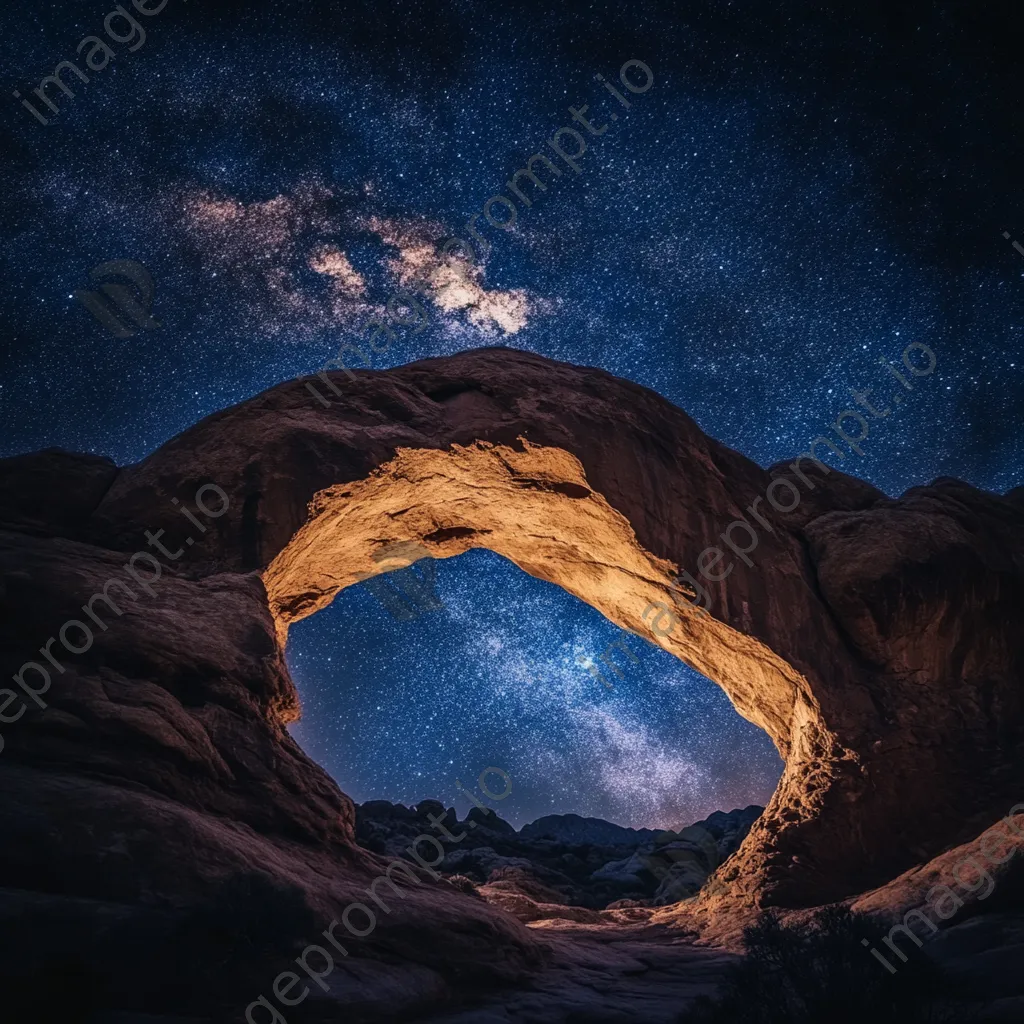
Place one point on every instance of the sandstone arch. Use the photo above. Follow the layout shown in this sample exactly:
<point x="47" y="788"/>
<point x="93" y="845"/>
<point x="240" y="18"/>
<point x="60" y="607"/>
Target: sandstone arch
<point x="876" y="640"/>
<point x="531" y="504"/>
<point x="826" y="641"/>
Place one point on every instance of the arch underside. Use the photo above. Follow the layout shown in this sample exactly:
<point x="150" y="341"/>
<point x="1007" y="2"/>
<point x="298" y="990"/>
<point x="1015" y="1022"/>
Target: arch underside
<point x="534" y="506"/>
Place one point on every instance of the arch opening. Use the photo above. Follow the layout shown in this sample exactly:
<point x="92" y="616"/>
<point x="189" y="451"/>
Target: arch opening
<point x="533" y="506"/>
<point x="503" y="669"/>
<point x="616" y="771"/>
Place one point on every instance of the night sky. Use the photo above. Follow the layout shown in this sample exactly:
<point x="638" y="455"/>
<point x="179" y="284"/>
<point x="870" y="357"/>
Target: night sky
<point x="804" y="190"/>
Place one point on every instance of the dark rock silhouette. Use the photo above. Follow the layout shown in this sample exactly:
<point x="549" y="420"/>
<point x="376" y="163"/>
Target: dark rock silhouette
<point x="571" y="828"/>
<point x="563" y="859"/>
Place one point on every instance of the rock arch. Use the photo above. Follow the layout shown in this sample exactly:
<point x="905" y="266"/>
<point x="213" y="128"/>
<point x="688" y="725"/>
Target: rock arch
<point x="877" y="641"/>
<point x="890" y="688"/>
<point x="533" y="505"/>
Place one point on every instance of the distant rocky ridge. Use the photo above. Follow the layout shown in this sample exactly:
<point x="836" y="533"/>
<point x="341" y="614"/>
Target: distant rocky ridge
<point x="571" y="828"/>
<point x="561" y="861"/>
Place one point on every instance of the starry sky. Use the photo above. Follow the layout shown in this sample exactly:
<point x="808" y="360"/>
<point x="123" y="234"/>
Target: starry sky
<point x="804" y="190"/>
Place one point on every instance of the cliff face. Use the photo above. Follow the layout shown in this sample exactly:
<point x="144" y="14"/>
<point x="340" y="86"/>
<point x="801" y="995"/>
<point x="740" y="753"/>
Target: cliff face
<point x="876" y="640"/>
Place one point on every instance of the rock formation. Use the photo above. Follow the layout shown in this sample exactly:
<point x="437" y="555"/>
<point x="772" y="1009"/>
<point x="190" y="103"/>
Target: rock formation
<point x="563" y="859"/>
<point x="575" y="830"/>
<point x="876" y="640"/>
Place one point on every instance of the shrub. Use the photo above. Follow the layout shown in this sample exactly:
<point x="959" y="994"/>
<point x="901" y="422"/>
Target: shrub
<point x="821" y="971"/>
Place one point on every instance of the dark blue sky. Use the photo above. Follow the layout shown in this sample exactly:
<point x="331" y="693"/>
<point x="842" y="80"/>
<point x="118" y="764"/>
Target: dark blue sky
<point x="804" y="190"/>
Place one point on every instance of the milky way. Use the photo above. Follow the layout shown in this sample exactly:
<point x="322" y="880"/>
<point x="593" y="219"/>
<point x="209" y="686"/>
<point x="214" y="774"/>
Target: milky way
<point x="804" y="190"/>
<point x="404" y="708"/>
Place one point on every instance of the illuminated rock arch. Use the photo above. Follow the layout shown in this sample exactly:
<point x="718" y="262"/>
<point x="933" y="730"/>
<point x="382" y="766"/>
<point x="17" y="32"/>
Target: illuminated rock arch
<point x="608" y="490"/>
